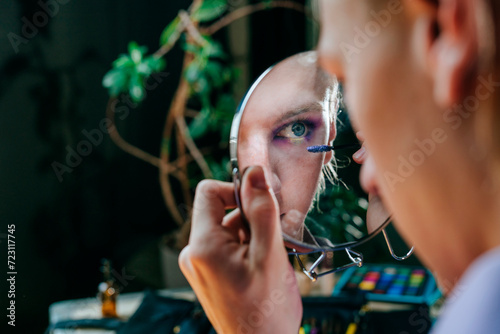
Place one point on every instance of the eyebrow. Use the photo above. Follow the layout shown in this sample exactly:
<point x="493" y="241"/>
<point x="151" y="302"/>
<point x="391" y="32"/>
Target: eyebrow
<point x="298" y="111"/>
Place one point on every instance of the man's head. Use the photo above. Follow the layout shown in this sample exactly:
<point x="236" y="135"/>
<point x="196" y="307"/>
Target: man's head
<point x="421" y="82"/>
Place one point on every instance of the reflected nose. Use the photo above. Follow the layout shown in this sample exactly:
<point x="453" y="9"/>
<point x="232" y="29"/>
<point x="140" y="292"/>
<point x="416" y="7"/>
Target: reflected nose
<point x="273" y="181"/>
<point x="257" y="154"/>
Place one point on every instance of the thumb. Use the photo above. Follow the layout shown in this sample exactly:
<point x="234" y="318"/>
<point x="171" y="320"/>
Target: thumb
<point x="261" y="210"/>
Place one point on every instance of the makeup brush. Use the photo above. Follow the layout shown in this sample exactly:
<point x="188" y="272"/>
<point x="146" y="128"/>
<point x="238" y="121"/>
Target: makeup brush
<point x="326" y="148"/>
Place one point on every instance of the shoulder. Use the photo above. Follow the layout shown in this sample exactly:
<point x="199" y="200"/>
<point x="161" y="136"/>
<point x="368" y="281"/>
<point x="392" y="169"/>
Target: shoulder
<point x="474" y="304"/>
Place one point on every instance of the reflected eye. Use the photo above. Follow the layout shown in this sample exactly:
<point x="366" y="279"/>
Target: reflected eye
<point x="299" y="129"/>
<point x="295" y="130"/>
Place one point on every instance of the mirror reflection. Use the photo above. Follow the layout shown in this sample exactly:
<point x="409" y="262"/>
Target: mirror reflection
<point x="288" y="124"/>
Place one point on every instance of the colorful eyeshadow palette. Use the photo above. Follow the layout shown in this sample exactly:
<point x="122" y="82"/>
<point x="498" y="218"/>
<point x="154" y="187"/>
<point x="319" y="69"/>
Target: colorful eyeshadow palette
<point x="389" y="283"/>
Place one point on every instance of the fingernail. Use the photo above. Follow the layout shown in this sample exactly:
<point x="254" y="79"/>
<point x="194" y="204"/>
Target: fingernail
<point x="257" y="178"/>
<point x="359" y="153"/>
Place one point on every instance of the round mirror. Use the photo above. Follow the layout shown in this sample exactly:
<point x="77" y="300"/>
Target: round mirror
<point x="288" y="123"/>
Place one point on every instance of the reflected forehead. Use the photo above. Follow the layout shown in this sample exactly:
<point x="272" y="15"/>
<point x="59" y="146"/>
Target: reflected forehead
<point x="290" y="113"/>
<point x="291" y="88"/>
<point x="289" y="85"/>
<point x="275" y="106"/>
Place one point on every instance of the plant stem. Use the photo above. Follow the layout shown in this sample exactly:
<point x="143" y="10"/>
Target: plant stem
<point x="183" y="173"/>
<point x="248" y="10"/>
<point x="176" y="109"/>
<point x="191" y="29"/>
<point x="122" y="143"/>
<point x="193" y="149"/>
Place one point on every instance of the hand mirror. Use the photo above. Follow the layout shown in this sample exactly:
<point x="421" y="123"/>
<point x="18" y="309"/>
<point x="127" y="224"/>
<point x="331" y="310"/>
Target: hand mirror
<point x="286" y="123"/>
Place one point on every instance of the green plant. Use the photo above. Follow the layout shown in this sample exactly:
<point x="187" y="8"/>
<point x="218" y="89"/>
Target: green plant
<point x="339" y="214"/>
<point x="206" y="84"/>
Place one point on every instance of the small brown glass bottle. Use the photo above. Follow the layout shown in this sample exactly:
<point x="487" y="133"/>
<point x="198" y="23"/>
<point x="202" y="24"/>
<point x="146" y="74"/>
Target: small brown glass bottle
<point x="107" y="292"/>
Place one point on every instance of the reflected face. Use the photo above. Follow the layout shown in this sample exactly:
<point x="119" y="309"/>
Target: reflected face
<point x="285" y="114"/>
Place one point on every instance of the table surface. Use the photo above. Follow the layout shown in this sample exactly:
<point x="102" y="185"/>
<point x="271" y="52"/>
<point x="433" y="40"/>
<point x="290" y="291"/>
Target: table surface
<point x="90" y="308"/>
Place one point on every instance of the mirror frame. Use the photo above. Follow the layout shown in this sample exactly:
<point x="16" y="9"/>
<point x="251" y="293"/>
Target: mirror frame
<point x="295" y="246"/>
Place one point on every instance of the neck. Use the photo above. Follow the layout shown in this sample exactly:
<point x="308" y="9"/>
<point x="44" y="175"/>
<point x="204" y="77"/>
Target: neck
<point x="469" y="220"/>
<point x="473" y="236"/>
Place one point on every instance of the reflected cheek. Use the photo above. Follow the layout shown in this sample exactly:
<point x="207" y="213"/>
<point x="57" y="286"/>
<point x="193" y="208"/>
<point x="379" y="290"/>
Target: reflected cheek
<point x="292" y="223"/>
<point x="290" y="144"/>
<point x="299" y="181"/>
<point x="252" y="153"/>
<point x="296" y="164"/>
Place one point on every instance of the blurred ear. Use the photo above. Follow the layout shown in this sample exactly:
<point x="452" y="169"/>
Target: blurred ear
<point x="451" y="39"/>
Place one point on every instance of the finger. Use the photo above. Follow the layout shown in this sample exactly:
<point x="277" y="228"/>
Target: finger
<point x="211" y="200"/>
<point x="360" y="155"/>
<point x="261" y="210"/>
<point x="233" y="222"/>
<point x="232" y="218"/>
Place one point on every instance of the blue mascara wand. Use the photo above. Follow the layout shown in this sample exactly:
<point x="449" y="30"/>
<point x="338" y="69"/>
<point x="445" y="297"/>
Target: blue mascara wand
<point x="326" y="148"/>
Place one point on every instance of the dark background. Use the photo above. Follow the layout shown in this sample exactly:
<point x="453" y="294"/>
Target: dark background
<point x="110" y="205"/>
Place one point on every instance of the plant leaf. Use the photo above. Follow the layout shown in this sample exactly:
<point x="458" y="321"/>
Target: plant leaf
<point x="225" y="107"/>
<point x="202" y="86"/>
<point x="156" y="64"/>
<point x="214" y="72"/>
<point x="267" y="3"/>
<point x="193" y="72"/>
<point x="209" y="10"/>
<point x="136" y="51"/>
<point x="225" y="131"/>
<point x="136" y="88"/>
<point x="191" y="48"/>
<point x="123" y="61"/>
<point x="199" y="126"/>
<point x="115" y="81"/>
<point x="213" y="49"/>
<point x="144" y="68"/>
<point x="171" y="32"/>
